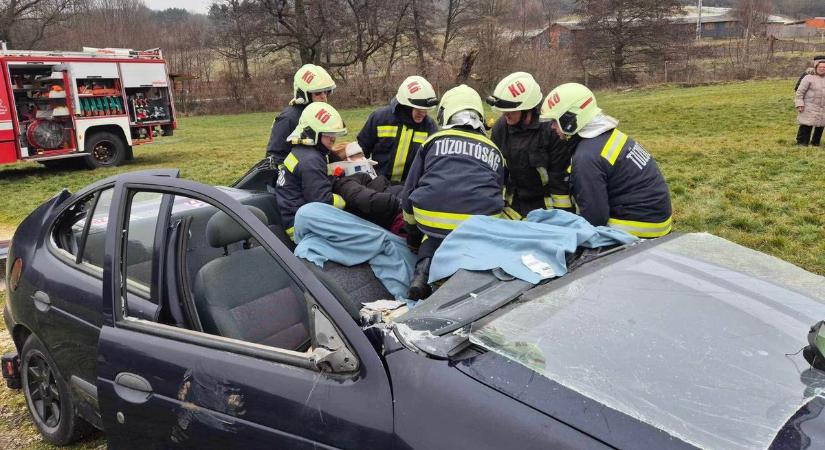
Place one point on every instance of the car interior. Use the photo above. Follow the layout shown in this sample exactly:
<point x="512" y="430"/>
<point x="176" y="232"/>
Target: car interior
<point x="217" y="278"/>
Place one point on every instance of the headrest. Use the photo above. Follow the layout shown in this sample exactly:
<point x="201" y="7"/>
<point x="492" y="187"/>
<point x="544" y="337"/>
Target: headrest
<point x="222" y="230"/>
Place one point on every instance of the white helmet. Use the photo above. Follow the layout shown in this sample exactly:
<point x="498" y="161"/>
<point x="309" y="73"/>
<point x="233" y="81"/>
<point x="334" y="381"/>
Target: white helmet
<point x="317" y="119"/>
<point x="572" y="105"/>
<point x="516" y="92"/>
<point x="417" y="92"/>
<point x="457" y="100"/>
<point x="310" y="79"/>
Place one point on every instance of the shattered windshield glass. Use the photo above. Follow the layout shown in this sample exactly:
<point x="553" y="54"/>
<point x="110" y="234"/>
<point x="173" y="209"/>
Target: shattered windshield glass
<point x="696" y="336"/>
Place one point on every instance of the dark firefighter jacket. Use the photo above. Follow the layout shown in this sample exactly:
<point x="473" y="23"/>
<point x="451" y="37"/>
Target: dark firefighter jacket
<point x="536" y="167"/>
<point x="302" y="179"/>
<point x="391" y="138"/>
<point x="282" y="127"/>
<point x="375" y="200"/>
<point x="456" y="174"/>
<point x="615" y="182"/>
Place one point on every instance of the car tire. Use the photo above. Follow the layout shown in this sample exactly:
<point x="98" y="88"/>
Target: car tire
<point x="105" y="149"/>
<point x="48" y="396"/>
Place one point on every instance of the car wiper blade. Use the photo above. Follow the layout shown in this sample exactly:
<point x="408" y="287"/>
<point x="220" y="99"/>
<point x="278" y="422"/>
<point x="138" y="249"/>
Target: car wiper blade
<point x="466" y="297"/>
<point x="591" y="254"/>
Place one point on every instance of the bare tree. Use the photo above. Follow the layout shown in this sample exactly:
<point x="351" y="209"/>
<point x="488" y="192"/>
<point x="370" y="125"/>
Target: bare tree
<point x="237" y="25"/>
<point x="395" y="43"/>
<point x="420" y="31"/>
<point x="299" y="25"/>
<point x="24" y="23"/>
<point x="492" y="39"/>
<point x="457" y="17"/>
<point x="624" y="33"/>
<point x="753" y="15"/>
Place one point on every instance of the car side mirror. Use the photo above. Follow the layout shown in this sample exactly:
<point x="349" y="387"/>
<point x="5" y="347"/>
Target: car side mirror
<point x="330" y="353"/>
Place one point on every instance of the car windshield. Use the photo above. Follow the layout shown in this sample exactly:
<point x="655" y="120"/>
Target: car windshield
<point x="696" y="336"/>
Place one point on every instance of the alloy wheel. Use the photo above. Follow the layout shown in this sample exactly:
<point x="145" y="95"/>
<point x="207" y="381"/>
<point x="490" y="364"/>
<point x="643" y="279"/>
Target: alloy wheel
<point x="42" y="391"/>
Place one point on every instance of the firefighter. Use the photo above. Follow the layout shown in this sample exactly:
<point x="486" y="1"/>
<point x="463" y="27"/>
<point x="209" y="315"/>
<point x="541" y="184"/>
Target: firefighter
<point x="613" y="179"/>
<point x="393" y="134"/>
<point x="311" y="84"/>
<point x="302" y="177"/>
<point x="536" y="157"/>
<point x="457" y="173"/>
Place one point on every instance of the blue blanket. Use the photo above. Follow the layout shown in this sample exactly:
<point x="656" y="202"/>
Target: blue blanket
<point x="484" y="243"/>
<point x="324" y="233"/>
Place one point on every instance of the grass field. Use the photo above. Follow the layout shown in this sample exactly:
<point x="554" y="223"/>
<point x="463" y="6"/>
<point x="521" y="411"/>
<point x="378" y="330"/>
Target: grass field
<point x="726" y="150"/>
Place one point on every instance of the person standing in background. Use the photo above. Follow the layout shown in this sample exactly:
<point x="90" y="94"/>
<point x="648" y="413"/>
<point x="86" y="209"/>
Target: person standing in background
<point x="810" y="106"/>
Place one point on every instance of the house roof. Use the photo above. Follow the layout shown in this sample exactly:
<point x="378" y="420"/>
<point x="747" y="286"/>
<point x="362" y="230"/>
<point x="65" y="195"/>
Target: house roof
<point x="710" y="14"/>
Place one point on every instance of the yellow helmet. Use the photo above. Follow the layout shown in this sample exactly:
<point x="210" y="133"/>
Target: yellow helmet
<point x="458" y="99"/>
<point x="417" y="92"/>
<point x="516" y="92"/>
<point x="310" y="79"/>
<point x="572" y="105"/>
<point x="317" y="119"/>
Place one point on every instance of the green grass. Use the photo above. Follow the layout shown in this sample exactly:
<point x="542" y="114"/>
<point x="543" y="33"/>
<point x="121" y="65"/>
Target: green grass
<point x="726" y="150"/>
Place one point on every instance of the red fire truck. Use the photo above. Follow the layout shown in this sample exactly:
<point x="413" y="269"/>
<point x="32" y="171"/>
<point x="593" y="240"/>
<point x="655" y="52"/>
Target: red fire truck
<point x="93" y="105"/>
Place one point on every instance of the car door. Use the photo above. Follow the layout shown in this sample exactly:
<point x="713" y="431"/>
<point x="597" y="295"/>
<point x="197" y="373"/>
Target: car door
<point x="174" y="382"/>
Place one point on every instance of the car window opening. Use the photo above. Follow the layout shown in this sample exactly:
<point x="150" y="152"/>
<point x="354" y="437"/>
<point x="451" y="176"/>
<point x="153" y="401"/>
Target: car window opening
<point x="218" y="279"/>
<point x="83" y="240"/>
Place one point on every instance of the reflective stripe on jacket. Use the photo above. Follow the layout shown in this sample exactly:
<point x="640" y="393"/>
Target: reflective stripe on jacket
<point x="302" y="179"/>
<point x="536" y="162"/>
<point x="392" y="139"/>
<point x="616" y="182"/>
<point x="282" y="127"/>
<point x="456" y="174"/>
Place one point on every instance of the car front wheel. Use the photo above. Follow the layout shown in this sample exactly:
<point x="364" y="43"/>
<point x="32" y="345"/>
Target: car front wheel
<point x="48" y="397"/>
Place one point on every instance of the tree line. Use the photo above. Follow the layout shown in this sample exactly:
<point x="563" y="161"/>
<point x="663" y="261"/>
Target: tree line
<point x="244" y="52"/>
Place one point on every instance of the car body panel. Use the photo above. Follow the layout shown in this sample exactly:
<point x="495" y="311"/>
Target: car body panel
<point x="694" y="335"/>
<point x="158" y="386"/>
<point x="805" y="430"/>
<point x="202" y="396"/>
<point x="438" y="406"/>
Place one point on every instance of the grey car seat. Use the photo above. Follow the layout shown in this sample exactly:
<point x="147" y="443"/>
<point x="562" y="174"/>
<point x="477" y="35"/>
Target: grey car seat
<point x="245" y="294"/>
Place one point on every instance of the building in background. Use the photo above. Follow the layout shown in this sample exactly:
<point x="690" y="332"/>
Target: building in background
<point x="717" y="23"/>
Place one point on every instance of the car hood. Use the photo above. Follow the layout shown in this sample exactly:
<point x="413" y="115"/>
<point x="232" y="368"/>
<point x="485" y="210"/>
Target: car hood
<point x="693" y="341"/>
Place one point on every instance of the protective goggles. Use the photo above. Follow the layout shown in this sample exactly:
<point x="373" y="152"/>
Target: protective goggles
<point x="334" y="133"/>
<point x="567" y="122"/>
<point x="499" y="103"/>
<point x="431" y="102"/>
<point x="323" y="91"/>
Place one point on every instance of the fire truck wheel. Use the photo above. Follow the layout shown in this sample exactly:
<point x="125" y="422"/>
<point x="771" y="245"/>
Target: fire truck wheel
<point x="104" y="149"/>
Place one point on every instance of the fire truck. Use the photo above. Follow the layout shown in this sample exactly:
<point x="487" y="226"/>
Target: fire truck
<point x="91" y="106"/>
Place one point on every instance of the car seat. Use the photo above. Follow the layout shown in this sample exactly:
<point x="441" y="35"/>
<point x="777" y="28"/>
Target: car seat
<point x="246" y="294"/>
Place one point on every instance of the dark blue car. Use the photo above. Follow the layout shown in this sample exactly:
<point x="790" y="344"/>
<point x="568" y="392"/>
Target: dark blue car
<point x="170" y="314"/>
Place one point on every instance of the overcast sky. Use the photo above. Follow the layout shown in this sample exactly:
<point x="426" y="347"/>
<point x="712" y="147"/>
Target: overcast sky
<point x="200" y="6"/>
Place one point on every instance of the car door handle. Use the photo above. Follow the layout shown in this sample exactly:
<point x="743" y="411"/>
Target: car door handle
<point x="41" y="301"/>
<point x="132" y="388"/>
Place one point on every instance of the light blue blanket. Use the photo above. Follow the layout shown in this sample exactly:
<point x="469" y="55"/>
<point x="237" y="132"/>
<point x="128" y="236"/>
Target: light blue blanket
<point x="325" y="233"/>
<point x="484" y="243"/>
